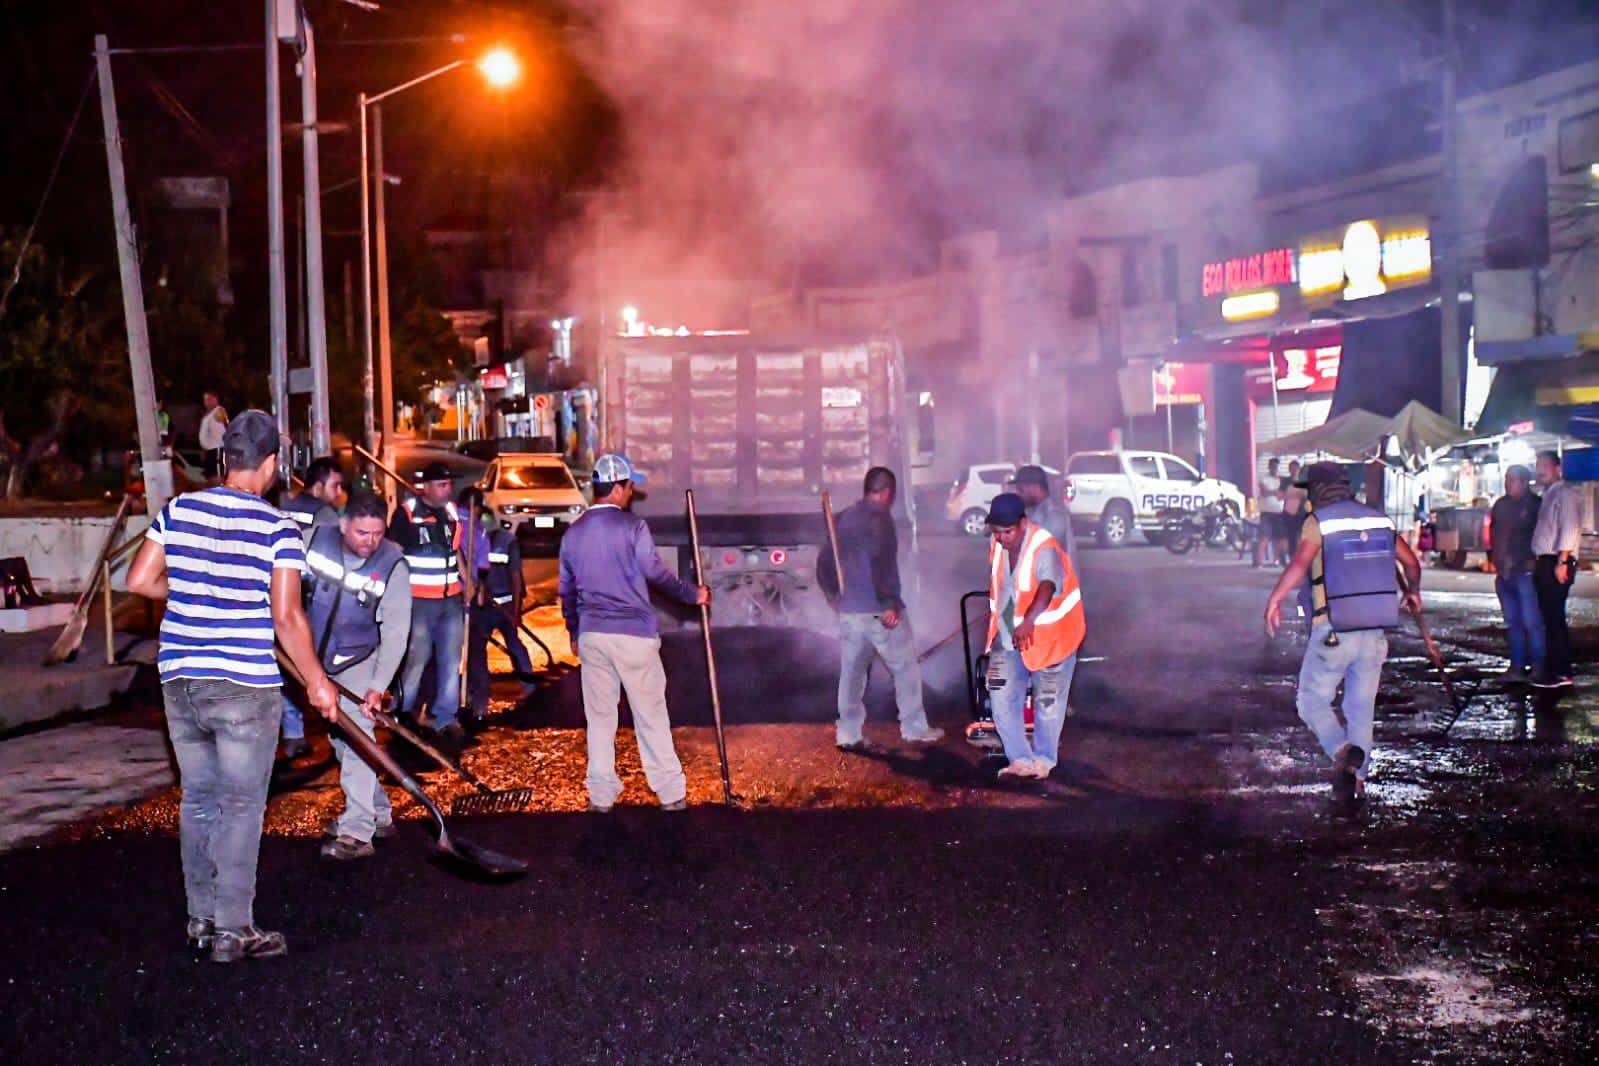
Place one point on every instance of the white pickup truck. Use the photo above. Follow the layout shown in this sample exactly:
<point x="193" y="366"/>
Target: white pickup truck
<point x="1113" y="493"/>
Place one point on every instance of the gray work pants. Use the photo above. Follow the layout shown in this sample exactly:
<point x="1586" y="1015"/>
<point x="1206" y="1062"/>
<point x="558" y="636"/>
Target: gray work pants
<point x="225" y="736"/>
<point x="612" y="663"/>
<point x="366" y="802"/>
<point x="859" y="636"/>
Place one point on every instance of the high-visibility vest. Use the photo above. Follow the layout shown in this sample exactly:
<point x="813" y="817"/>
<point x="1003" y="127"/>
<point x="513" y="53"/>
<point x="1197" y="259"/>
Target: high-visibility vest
<point x="1059" y="629"/>
<point x="501" y="580"/>
<point x="1352" y="584"/>
<point x="306" y="510"/>
<point x="343" y="607"/>
<point x="432" y="557"/>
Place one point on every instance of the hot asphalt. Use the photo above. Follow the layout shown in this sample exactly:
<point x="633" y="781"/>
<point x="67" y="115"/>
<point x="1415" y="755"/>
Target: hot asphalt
<point x="1180" y="891"/>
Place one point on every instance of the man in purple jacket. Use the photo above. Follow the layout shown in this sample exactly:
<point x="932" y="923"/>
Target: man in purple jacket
<point x="608" y="562"/>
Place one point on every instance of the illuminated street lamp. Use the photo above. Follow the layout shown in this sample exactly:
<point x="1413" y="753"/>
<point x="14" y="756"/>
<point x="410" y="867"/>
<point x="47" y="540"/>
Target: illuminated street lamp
<point x="500" y="68"/>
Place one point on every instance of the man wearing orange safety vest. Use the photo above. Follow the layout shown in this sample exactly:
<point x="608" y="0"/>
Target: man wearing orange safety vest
<point x="1035" y="627"/>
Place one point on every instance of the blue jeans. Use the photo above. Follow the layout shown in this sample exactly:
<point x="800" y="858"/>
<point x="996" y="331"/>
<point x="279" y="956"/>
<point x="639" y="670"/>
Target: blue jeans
<point x="224" y="736"/>
<point x="859" y="636"/>
<point x="1357" y="663"/>
<point x="293" y="720"/>
<point x="1008" y="683"/>
<point x="437" y="629"/>
<point x="1518" y="598"/>
<point x="487" y="619"/>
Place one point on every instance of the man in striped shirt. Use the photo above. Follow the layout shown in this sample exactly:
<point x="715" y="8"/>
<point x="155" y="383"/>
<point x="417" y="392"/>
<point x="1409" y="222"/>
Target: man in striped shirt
<point x="228" y="565"/>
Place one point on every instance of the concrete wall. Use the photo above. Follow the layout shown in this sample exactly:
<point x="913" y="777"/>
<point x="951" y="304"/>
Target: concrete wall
<point x="61" y="550"/>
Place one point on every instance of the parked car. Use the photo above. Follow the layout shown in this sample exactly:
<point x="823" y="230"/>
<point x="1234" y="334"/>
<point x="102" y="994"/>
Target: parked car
<point x="186" y="476"/>
<point x="1114" y="493"/>
<point x="534" y="494"/>
<point x="411" y="459"/>
<point x="976" y="488"/>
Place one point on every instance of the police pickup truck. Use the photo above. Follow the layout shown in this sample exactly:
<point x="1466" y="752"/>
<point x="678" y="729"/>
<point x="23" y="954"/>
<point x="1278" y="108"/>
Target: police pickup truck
<point x="1113" y="493"/>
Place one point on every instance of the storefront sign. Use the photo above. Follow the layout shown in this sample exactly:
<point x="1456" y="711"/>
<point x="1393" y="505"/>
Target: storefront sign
<point x="1264" y="270"/>
<point x="1250" y="305"/>
<point x="1299" y="371"/>
<point x="1366" y="258"/>
<point x="494" y="377"/>
<point x="1180" y="384"/>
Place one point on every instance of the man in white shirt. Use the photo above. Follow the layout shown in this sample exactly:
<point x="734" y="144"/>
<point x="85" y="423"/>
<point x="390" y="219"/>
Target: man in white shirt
<point x="1555" y="541"/>
<point x="213" y="424"/>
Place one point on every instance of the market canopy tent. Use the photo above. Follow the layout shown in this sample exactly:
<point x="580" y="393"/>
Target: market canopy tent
<point x="1418" y="432"/>
<point x="1355" y="435"/>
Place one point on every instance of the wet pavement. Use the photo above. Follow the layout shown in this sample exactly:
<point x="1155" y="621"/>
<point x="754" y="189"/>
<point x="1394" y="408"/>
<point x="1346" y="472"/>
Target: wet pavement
<point x="1179" y="891"/>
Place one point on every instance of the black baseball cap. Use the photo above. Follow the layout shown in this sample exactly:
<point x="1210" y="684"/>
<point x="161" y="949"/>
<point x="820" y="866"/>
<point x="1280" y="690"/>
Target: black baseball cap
<point x="1030" y="475"/>
<point x="435" y="471"/>
<point x="1006" y="509"/>
<point x="249" y="439"/>
<point x="1322" y="474"/>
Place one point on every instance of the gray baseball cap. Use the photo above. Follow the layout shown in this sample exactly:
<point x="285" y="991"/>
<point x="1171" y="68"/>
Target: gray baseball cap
<point x="250" y="437"/>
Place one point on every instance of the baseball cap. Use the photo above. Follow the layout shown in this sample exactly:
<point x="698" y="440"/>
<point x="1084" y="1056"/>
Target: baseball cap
<point x="1007" y="509"/>
<point x="435" y="471"/>
<point x="1030" y="475"/>
<point x="1321" y="474"/>
<point x="613" y="467"/>
<point x="249" y="439"/>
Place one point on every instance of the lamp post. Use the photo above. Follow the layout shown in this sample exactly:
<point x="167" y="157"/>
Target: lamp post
<point x="500" y="69"/>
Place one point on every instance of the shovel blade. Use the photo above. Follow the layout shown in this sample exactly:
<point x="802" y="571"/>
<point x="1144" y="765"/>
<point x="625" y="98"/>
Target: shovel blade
<point x="491" y="864"/>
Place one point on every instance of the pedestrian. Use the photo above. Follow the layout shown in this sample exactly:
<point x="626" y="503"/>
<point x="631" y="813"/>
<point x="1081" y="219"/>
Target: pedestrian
<point x="360" y="612"/>
<point x="1269" y="498"/>
<point x="427" y="528"/>
<point x="213" y="424"/>
<point x="871" y="615"/>
<point x="228" y="565"/>
<point x="1512" y="520"/>
<point x="1556" y="539"/>
<point x="163" y="425"/>
<point x="1344" y="573"/>
<point x="1036" y="625"/>
<point x="1031" y="483"/>
<point x="608" y="562"/>
<point x="1294" y="511"/>
<point x="313" y="508"/>
<point x="497" y="609"/>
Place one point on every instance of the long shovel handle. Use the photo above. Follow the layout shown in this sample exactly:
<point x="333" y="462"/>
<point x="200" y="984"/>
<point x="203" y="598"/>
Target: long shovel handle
<point x="832" y="541"/>
<point x="710" y="650"/>
<point x="378" y="465"/>
<point x="1443" y="674"/>
<point x="388" y="721"/>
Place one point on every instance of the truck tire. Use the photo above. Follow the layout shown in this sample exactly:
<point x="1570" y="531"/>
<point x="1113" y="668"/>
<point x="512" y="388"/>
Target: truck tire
<point x="974" y="523"/>
<point x="1115" y="525"/>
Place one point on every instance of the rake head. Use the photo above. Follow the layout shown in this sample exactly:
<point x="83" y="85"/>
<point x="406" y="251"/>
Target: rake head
<point x="510" y="801"/>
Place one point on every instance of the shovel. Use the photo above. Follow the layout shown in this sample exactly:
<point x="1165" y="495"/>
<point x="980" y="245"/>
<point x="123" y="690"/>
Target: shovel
<point x="710" y="651"/>
<point x="464" y="854"/>
<point x="487" y="801"/>
<point x="66" y="646"/>
<point x="1438" y="661"/>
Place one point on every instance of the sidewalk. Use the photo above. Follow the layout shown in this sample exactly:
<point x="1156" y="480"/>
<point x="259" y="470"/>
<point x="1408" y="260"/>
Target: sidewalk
<point x="36" y="693"/>
<point x="56" y="777"/>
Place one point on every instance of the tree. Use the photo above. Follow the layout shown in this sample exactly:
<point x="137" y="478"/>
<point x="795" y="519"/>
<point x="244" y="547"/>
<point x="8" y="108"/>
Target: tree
<point x="63" y="359"/>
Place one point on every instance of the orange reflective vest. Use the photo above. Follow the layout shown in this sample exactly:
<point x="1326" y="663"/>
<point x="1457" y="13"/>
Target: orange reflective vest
<point x="432" y="556"/>
<point x="1059" y="629"/>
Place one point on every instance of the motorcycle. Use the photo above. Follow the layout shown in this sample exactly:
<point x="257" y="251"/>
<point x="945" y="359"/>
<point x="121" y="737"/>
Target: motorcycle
<point x="1216" y="525"/>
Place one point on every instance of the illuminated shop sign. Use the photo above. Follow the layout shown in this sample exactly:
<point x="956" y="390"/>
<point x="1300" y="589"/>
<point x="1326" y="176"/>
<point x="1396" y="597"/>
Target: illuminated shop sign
<point x="1366" y="258"/>
<point x="1264" y="270"/>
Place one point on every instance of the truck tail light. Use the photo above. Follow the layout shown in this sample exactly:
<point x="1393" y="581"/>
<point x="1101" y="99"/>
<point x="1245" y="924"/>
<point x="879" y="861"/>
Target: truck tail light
<point x="730" y="558"/>
<point x="1071" y="490"/>
<point x="779" y="556"/>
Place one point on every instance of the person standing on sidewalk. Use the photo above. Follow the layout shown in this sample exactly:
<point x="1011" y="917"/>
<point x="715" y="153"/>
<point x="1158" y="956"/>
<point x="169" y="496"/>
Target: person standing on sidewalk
<point x="1273" y="541"/>
<point x="1044" y="508"/>
<point x="1344" y="571"/>
<point x="872" y="615"/>
<point x="213" y="424"/>
<point x="1035" y="627"/>
<point x="428" y="530"/>
<point x="314" y="507"/>
<point x="498" y="610"/>
<point x="360" y="611"/>
<point x="228" y="566"/>
<point x="1512" y="520"/>
<point x="1556" y="540"/>
<point x="608" y="562"/>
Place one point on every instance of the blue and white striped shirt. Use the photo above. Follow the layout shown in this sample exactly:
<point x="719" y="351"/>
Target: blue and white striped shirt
<point x="221" y="547"/>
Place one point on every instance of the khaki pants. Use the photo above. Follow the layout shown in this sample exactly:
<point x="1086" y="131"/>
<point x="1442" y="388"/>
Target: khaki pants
<point x="613" y="663"/>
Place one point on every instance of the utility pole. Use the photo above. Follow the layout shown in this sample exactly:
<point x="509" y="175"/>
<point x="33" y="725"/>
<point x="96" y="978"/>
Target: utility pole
<point x="279" y="315"/>
<point x="157" y="468"/>
<point x="1449" y="258"/>
<point x="385" y="349"/>
<point x="315" y="290"/>
<point x="369" y="430"/>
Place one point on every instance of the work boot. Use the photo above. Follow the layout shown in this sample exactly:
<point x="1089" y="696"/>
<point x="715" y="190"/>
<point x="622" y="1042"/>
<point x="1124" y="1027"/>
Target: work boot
<point x="238" y="945"/>
<point x="853" y="747"/>
<point x="675" y="805"/>
<point x="345" y="847"/>
<point x="202" y="931"/>
<point x="928" y="735"/>
<point x="295" y="748"/>
<point x="1022" y="770"/>
<point x="385" y="831"/>
<point x="1346" y="767"/>
<point x="596" y="808"/>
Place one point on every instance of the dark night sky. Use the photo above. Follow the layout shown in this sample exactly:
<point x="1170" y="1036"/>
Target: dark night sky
<point x="461" y="150"/>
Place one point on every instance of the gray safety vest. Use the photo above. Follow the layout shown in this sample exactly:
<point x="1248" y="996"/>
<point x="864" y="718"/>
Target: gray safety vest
<point x="305" y="509"/>
<point x="343" y="605"/>
<point x="501" y="581"/>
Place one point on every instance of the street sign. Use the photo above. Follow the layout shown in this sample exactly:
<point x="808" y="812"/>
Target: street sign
<point x="299" y="381"/>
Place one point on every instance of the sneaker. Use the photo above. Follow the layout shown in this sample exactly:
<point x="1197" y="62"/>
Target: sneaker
<point x="343" y="847"/>
<point x="853" y="747"/>
<point x="385" y="831"/>
<point x="202" y="931"/>
<point x="1346" y="765"/>
<point x="294" y="748"/>
<point x="237" y="945"/>
<point x="675" y="805"/>
<point x="595" y="808"/>
<point x="1022" y="770"/>
<point x="930" y="735"/>
<point x="453" y="733"/>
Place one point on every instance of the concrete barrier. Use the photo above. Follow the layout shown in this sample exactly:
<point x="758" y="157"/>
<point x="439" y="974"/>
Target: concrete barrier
<point x="61" y="549"/>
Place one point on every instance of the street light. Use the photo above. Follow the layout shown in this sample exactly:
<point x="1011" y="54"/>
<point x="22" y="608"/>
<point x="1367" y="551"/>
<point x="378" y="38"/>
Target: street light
<point x="500" y="68"/>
